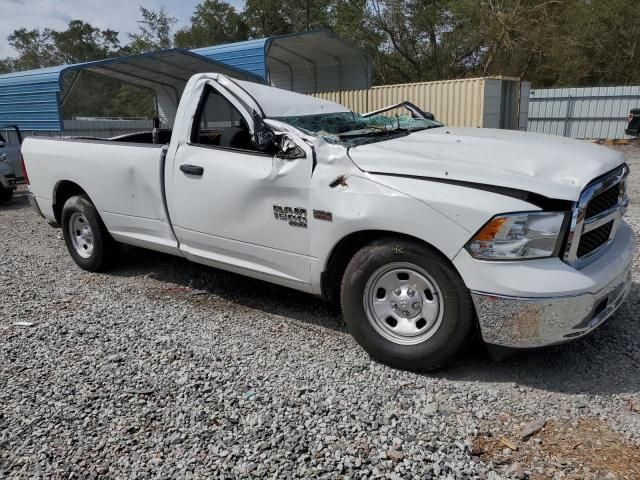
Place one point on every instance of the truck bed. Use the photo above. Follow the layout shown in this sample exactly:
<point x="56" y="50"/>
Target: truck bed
<point x="124" y="180"/>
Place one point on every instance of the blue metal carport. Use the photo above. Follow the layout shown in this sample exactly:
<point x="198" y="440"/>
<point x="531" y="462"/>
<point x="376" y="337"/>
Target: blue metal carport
<point x="307" y="62"/>
<point x="33" y="99"/>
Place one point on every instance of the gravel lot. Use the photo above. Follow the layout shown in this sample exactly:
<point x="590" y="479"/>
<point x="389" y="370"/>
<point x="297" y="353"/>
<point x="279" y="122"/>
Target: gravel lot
<point x="166" y="369"/>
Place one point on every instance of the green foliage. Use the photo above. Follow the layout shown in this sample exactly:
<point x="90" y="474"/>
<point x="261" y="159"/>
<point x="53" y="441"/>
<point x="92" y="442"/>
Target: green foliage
<point x="155" y="32"/>
<point x="549" y="42"/>
<point x="80" y="42"/>
<point x="33" y="47"/>
<point x="213" y="22"/>
<point x="266" y="18"/>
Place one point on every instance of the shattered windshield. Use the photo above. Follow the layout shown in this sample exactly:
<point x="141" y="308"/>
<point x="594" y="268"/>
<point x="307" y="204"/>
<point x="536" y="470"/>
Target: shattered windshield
<point x="352" y="129"/>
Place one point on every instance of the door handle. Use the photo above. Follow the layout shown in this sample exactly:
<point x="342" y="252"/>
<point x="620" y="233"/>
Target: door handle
<point x="192" y="170"/>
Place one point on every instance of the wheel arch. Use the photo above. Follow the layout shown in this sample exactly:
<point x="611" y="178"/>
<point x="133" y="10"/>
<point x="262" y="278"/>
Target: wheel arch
<point x="63" y="191"/>
<point x="344" y="250"/>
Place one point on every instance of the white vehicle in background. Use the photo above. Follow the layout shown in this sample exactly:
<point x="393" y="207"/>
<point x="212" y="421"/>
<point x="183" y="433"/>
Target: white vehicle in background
<point x="424" y="233"/>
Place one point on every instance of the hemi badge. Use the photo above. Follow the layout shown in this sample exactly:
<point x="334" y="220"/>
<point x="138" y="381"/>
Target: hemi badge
<point x="322" y="215"/>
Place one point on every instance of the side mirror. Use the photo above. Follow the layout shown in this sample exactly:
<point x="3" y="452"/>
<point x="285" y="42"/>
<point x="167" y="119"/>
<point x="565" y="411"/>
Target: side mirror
<point x="288" y="150"/>
<point x="263" y="135"/>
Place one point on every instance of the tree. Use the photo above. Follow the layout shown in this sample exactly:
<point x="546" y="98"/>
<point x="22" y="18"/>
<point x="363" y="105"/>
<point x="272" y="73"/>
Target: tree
<point x="213" y="22"/>
<point x="80" y="42"/>
<point x="415" y="41"/>
<point x="507" y="37"/>
<point x="306" y="15"/>
<point x="279" y="17"/>
<point x="33" y="48"/>
<point x="598" y="44"/>
<point x="155" y="31"/>
<point x="266" y="18"/>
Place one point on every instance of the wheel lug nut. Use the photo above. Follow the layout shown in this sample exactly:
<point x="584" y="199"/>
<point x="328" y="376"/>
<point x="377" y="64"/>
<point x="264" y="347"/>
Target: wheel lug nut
<point x="397" y="292"/>
<point x="405" y="313"/>
<point x="416" y="306"/>
<point x="411" y="293"/>
<point x="394" y="305"/>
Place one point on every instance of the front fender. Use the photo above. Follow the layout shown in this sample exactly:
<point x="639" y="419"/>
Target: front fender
<point x="470" y="208"/>
<point x="363" y="204"/>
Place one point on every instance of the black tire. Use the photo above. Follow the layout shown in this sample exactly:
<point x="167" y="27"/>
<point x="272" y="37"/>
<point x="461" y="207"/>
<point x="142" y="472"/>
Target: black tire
<point x="103" y="254"/>
<point x="6" y="195"/>
<point x="456" y="320"/>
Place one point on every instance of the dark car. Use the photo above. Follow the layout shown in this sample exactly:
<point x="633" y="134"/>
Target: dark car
<point x="10" y="168"/>
<point x="633" y="125"/>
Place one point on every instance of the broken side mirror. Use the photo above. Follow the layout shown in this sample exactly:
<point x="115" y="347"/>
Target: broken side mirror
<point x="263" y="136"/>
<point x="288" y="150"/>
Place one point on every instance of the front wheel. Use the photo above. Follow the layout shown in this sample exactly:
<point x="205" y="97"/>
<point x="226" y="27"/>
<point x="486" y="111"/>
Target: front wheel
<point x="86" y="237"/>
<point x="406" y="305"/>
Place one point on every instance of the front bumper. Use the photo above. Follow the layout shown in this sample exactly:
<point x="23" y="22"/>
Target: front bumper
<point x="536" y="322"/>
<point x="569" y="303"/>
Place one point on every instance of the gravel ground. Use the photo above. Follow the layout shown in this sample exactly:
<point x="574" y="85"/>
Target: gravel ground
<point x="166" y="369"/>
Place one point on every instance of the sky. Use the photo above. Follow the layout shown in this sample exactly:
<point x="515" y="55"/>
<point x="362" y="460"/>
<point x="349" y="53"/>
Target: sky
<point x="119" y="15"/>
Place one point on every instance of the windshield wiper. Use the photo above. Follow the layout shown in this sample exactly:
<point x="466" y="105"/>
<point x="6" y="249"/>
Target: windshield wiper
<point x="373" y="137"/>
<point x="416" y="112"/>
<point x="374" y="132"/>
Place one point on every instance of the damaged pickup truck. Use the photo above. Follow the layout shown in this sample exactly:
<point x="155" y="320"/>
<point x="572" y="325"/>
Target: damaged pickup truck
<point x="425" y="234"/>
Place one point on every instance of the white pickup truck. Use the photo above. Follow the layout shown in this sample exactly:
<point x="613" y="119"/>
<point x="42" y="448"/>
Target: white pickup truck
<point x="426" y="234"/>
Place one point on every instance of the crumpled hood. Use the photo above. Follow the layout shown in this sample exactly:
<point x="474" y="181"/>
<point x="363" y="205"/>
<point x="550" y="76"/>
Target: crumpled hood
<point x="555" y="167"/>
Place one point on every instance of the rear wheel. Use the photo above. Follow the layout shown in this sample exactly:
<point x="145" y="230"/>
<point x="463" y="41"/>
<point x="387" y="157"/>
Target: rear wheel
<point x="86" y="236"/>
<point x="406" y="305"/>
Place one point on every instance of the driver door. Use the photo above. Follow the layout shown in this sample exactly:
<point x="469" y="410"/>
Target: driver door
<point x="234" y="206"/>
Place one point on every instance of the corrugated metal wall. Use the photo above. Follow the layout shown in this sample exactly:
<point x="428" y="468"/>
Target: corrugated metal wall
<point x="592" y="112"/>
<point x="469" y="102"/>
<point x="30" y="99"/>
<point x="248" y="55"/>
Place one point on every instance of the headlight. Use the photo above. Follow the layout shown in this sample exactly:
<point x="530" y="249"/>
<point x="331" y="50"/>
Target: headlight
<point x="518" y="235"/>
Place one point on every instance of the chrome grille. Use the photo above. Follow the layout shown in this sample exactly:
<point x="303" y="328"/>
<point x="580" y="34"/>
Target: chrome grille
<point x="603" y="201"/>
<point x="596" y="217"/>
<point x="590" y="241"/>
